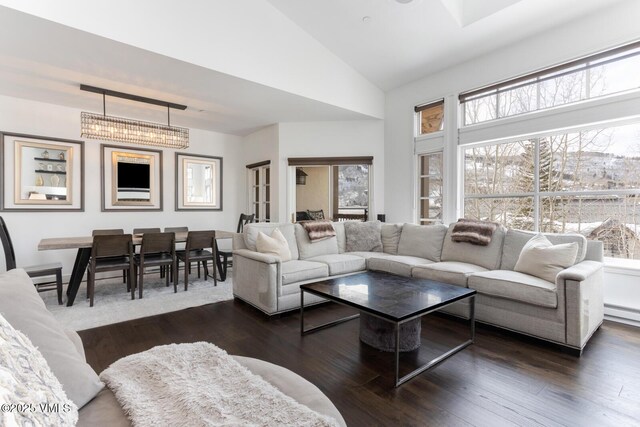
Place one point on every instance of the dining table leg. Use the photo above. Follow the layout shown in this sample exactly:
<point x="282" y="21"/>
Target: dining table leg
<point x="79" y="267"/>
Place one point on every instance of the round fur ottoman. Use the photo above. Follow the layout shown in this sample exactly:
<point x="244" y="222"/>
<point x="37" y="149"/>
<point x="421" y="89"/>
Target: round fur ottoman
<point x="380" y="334"/>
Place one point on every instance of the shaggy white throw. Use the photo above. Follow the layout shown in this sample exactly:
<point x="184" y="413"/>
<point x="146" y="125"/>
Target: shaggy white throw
<point x="199" y="384"/>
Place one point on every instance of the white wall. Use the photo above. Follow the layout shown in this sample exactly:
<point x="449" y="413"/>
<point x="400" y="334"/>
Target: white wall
<point x="333" y="139"/>
<point x="27" y="228"/>
<point x="260" y="146"/>
<point x="250" y="39"/>
<point x="585" y="36"/>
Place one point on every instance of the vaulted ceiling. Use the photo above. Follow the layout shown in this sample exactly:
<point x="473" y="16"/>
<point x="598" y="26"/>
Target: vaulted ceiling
<point x="243" y="64"/>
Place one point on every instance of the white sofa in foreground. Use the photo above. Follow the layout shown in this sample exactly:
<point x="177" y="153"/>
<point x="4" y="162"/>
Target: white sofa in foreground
<point x="566" y="311"/>
<point x="87" y="400"/>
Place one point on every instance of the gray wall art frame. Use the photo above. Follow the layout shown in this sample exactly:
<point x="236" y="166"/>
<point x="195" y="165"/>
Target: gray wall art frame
<point x="131" y="179"/>
<point x="198" y="182"/>
<point x="41" y="173"/>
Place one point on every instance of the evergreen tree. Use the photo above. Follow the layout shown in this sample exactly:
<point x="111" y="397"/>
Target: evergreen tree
<point x="548" y="180"/>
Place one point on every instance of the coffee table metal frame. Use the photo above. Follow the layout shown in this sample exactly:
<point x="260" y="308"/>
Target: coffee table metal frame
<point x="431" y="364"/>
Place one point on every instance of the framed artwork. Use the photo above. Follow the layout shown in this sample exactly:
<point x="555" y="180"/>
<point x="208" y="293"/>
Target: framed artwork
<point x="41" y="173"/>
<point x="131" y="179"/>
<point x="198" y="182"/>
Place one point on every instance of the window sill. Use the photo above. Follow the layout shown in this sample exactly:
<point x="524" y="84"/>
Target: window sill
<point x="623" y="266"/>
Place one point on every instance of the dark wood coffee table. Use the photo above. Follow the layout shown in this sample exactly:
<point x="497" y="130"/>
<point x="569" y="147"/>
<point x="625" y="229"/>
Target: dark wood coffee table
<point x="395" y="299"/>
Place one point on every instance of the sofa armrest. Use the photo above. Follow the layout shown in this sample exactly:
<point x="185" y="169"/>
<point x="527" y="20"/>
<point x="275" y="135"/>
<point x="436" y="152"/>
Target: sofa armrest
<point x="584" y="300"/>
<point x="256" y="279"/>
<point x="579" y="272"/>
<point x="257" y="256"/>
<point x="238" y="241"/>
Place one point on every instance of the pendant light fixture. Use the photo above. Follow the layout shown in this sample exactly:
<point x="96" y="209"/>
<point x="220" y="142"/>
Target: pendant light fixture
<point x="111" y="128"/>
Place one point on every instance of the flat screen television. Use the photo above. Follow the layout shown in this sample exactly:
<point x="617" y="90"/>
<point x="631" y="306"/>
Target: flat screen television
<point x="134" y="181"/>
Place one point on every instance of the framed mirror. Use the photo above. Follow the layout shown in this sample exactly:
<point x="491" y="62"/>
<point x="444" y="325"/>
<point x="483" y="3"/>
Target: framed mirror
<point x="42" y="173"/>
<point x="131" y="179"/>
<point x="198" y="182"/>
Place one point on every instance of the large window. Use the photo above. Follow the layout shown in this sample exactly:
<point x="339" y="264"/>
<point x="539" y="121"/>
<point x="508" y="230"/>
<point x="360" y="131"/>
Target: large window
<point x="430" y="188"/>
<point x="585" y="181"/>
<point x="598" y="75"/>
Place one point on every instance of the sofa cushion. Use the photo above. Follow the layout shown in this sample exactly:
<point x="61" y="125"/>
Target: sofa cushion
<point x="451" y="272"/>
<point x="341" y="263"/>
<point x="396" y="264"/>
<point x="485" y="256"/>
<point x="515" y="240"/>
<point x="251" y="235"/>
<point x="298" y="271"/>
<point x="423" y="241"/>
<point x="275" y="245"/>
<point x="308" y="249"/>
<point x="103" y="410"/>
<point x="515" y="286"/>
<point x="543" y="259"/>
<point x="367" y="255"/>
<point x="25" y="378"/>
<point x="23" y="308"/>
<point x="363" y="236"/>
<point x="390" y="236"/>
<point x="341" y="237"/>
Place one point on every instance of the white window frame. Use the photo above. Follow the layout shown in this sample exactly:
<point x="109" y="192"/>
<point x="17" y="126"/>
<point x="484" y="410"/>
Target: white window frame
<point x="445" y="141"/>
<point x="264" y="187"/>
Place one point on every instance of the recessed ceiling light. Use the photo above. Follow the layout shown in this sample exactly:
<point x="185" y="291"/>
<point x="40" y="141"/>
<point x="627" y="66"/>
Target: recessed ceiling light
<point x="404" y="1"/>
<point x="366" y="19"/>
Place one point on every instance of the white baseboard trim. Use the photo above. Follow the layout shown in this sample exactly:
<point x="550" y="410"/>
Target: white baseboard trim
<point x="626" y="315"/>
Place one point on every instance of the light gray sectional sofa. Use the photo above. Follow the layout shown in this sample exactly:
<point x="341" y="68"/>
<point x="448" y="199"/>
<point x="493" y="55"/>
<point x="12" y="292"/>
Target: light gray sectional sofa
<point x="566" y="312"/>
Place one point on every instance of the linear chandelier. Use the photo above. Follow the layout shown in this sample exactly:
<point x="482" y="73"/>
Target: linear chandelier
<point x="111" y="128"/>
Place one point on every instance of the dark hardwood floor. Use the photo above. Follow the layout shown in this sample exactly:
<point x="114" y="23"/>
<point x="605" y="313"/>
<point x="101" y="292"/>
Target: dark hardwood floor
<point x="503" y="379"/>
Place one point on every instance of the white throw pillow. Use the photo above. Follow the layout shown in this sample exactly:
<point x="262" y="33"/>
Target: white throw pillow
<point x="27" y="380"/>
<point x="275" y="245"/>
<point x="541" y="258"/>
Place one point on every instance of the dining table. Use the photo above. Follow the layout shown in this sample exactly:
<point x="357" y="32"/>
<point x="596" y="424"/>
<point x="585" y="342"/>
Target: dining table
<point x="84" y="243"/>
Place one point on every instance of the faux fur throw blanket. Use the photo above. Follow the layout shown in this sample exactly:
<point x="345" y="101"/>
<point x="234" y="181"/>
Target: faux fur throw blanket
<point x="318" y="230"/>
<point x="199" y="384"/>
<point x="473" y="231"/>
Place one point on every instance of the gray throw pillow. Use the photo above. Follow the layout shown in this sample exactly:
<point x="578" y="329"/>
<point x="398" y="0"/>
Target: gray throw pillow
<point x="363" y="236"/>
<point x="390" y="236"/>
<point x="315" y="215"/>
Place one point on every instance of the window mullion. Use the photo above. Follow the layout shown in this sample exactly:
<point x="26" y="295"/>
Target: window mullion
<point x="536" y="186"/>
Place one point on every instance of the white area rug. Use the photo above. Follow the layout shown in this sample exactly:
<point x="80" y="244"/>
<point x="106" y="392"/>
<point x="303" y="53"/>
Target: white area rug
<point x="199" y="384"/>
<point x="113" y="304"/>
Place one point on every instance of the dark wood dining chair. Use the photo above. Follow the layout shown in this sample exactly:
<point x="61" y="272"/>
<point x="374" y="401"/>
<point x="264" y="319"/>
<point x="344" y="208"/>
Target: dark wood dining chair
<point x="107" y="231"/>
<point x="110" y="252"/>
<point x="43" y="270"/>
<point x="137" y="232"/>
<point x="180" y="246"/>
<point x="196" y="250"/>
<point x="224" y="258"/>
<point x="156" y="250"/>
